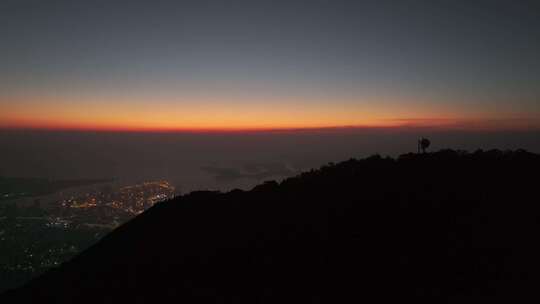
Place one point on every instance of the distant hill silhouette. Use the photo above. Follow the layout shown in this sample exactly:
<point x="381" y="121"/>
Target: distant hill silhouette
<point x="448" y="226"/>
<point x="14" y="188"/>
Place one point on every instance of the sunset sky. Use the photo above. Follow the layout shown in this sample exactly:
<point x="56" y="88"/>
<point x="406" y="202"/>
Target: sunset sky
<point x="236" y="65"/>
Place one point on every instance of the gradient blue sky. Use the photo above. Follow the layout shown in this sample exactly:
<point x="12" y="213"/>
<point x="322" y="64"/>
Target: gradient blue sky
<point x="267" y="64"/>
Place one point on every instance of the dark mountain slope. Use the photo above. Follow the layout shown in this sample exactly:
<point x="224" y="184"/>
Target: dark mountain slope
<point x="439" y="227"/>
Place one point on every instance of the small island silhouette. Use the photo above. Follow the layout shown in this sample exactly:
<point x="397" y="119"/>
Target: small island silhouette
<point x="439" y="227"/>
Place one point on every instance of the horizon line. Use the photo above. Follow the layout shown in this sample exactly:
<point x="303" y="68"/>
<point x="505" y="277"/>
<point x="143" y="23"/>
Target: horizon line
<point x="403" y="127"/>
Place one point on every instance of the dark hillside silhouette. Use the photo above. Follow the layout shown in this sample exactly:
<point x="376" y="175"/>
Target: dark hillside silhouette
<point x="448" y="226"/>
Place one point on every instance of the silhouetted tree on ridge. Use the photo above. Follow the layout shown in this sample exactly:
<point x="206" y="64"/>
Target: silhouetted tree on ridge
<point x="423" y="144"/>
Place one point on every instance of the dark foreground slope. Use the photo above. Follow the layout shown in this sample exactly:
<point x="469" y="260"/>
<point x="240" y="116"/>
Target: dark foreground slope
<point x="440" y="227"/>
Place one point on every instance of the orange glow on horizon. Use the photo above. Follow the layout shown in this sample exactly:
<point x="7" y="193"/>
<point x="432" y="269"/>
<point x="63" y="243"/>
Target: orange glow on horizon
<point x="236" y="115"/>
<point x="445" y="124"/>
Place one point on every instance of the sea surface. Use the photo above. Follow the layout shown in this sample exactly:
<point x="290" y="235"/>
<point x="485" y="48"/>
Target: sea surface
<point x="222" y="161"/>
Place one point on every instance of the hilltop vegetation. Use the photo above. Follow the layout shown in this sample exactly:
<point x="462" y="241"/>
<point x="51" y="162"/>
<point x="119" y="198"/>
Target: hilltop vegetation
<point x="448" y="226"/>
